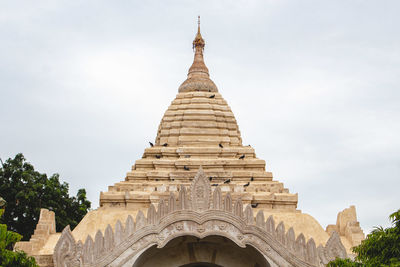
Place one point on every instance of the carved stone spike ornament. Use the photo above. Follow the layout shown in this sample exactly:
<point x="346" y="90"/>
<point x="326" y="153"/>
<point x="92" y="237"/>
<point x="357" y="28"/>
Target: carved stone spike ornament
<point x="67" y="252"/>
<point x="217" y="199"/>
<point x="200" y="192"/>
<point x="260" y="219"/>
<point x="332" y="250"/>
<point x="312" y="254"/>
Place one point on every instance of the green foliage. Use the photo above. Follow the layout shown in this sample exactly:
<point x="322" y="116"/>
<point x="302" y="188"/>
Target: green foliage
<point x="27" y="191"/>
<point x="7" y="238"/>
<point x="9" y="258"/>
<point x="380" y="248"/>
<point x="344" y="263"/>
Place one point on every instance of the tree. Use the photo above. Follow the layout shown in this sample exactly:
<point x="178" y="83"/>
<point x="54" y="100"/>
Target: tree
<point x="380" y="248"/>
<point x="27" y="191"/>
<point x="8" y="257"/>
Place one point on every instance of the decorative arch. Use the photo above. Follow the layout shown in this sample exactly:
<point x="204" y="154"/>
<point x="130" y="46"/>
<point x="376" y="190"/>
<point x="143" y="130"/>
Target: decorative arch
<point x="198" y="213"/>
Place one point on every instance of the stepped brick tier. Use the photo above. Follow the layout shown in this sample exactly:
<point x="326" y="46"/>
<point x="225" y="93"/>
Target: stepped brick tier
<point x="200" y="188"/>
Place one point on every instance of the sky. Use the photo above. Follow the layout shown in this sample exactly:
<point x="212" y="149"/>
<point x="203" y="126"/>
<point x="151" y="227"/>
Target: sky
<point x="314" y="86"/>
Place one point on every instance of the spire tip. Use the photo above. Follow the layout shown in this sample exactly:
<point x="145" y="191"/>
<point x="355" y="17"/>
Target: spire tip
<point x="198" y="40"/>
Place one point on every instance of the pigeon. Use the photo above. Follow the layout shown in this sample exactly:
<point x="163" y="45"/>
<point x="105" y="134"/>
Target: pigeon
<point x="214" y="185"/>
<point x="227" y="181"/>
<point x="186" y="168"/>
<point x="210" y="178"/>
<point x="156" y="180"/>
<point x="211" y="96"/>
<point x="220" y="145"/>
<point x="242" y="156"/>
<point x="254" y="205"/>
<point x="245" y="185"/>
<point x="187" y="156"/>
<point x="151" y="144"/>
<point x="165" y="144"/>
<point x="158" y="156"/>
<point x="252" y="179"/>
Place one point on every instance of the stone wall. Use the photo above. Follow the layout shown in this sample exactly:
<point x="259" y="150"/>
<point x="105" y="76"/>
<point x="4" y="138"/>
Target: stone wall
<point x="348" y="226"/>
<point x="44" y="228"/>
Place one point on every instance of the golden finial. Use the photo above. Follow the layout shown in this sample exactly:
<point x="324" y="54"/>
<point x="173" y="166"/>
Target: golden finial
<point x="198" y="76"/>
<point x="198" y="40"/>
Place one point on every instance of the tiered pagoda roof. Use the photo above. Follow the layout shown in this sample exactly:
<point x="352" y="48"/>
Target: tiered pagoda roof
<point x="199" y="129"/>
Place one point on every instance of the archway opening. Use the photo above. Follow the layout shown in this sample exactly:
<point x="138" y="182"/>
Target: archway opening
<point x="211" y="251"/>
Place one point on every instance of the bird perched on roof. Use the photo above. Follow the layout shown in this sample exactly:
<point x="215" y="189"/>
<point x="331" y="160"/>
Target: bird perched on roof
<point x="227" y="181"/>
<point x="151" y="144"/>
<point x="158" y="156"/>
<point x="245" y="185"/>
<point x="242" y="156"/>
<point x="211" y="96"/>
<point x="254" y="205"/>
<point x="165" y="144"/>
<point x="214" y="185"/>
<point x="186" y="168"/>
<point x="210" y="178"/>
<point x="220" y="145"/>
<point x="252" y="179"/>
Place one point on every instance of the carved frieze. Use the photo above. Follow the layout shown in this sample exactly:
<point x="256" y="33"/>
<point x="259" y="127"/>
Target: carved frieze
<point x="195" y="216"/>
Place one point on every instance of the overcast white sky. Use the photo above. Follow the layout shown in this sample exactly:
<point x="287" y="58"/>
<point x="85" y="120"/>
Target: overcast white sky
<point x="314" y="86"/>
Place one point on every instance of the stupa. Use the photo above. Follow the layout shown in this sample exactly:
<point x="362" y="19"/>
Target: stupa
<point x="197" y="197"/>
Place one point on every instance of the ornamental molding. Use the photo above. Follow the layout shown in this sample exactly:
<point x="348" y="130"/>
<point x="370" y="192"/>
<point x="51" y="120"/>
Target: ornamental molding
<point x="199" y="213"/>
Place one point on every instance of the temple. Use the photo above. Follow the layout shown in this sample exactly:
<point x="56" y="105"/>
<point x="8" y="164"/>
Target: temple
<point x="197" y="197"/>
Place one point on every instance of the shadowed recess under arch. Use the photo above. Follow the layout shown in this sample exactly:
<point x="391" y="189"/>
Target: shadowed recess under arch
<point x="211" y="251"/>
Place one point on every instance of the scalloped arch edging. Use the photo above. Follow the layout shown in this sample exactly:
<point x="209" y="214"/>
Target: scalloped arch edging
<point x="199" y="214"/>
